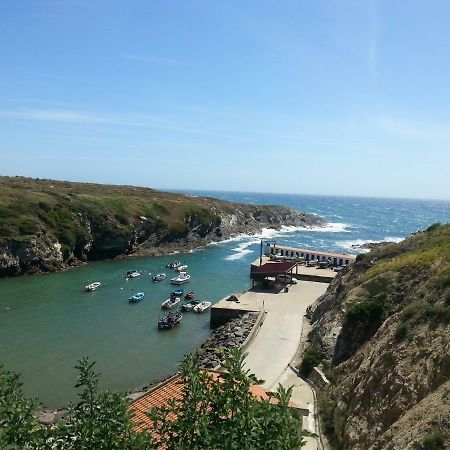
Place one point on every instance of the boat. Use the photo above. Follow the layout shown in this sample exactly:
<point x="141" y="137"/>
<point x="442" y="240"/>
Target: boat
<point x="173" y="264"/>
<point x="177" y="293"/>
<point x="183" y="277"/>
<point x="202" y="306"/>
<point x="181" y="268"/>
<point x="159" y="277"/>
<point x="189" y="306"/>
<point x="136" y="297"/>
<point x="189" y="295"/>
<point x="170" y="302"/>
<point x="170" y="320"/>
<point x="133" y="274"/>
<point x="93" y="286"/>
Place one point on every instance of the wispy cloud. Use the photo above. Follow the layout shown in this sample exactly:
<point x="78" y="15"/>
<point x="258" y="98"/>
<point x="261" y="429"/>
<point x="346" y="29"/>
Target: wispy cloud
<point x="82" y="118"/>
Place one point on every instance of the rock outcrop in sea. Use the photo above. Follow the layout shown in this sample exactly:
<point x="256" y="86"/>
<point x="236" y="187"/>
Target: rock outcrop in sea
<point x="49" y="225"/>
<point x="384" y="325"/>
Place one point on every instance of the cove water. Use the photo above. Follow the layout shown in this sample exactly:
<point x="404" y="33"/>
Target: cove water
<point x="47" y="322"/>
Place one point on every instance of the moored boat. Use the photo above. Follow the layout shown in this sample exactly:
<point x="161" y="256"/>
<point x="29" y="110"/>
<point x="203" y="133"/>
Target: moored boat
<point x="189" y="295"/>
<point x="136" y="297"/>
<point x="173" y="264"/>
<point x="170" y="302"/>
<point x="189" y="306"/>
<point x="93" y="286"/>
<point x="202" y="306"/>
<point x="133" y="274"/>
<point x="182" y="268"/>
<point x="183" y="277"/>
<point x="177" y="293"/>
<point x="159" y="277"/>
<point x="170" y="320"/>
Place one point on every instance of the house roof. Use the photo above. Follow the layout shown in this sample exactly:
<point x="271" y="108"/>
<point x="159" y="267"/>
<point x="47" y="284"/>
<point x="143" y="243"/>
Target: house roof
<point x="172" y="388"/>
<point x="272" y="269"/>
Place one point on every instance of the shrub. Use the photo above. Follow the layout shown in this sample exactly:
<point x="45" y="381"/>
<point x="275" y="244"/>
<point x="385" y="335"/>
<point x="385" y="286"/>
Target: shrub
<point x="402" y="332"/>
<point x="328" y="370"/>
<point x="311" y="358"/>
<point x="431" y="441"/>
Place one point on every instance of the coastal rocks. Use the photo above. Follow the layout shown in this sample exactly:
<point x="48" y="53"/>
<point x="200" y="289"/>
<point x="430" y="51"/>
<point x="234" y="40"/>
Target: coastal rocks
<point x="66" y="223"/>
<point x="30" y="254"/>
<point x="230" y="335"/>
<point x="385" y="329"/>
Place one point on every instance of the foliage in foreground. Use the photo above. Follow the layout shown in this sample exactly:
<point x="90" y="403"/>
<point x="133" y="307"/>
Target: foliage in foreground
<point x="211" y="415"/>
<point x="225" y="414"/>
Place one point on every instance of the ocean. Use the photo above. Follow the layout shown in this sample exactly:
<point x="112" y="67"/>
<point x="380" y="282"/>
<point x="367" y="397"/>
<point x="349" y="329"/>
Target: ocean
<point x="47" y="322"/>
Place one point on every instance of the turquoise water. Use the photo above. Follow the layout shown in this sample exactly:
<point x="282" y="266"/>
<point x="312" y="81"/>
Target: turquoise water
<point x="47" y="322"/>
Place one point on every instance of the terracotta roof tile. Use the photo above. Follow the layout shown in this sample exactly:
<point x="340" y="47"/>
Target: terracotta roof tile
<point x="172" y="388"/>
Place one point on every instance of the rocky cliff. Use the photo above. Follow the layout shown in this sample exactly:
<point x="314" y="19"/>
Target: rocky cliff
<point x="384" y="325"/>
<point x="48" y="225"/>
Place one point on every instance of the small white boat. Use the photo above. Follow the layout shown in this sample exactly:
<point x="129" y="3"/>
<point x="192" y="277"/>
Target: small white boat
<point x="133" y="274"/>
<point x="136" y="297"/>
<point x="202" y="306"/>
<point x="183" y="277"/>
<point x="173" y="264"/>
<point x="170" y="302"/>
<point x="181" y="268"/>
<point x="93" y="286"/>
<point x="159" y="277"/>
<point x="189" y="306"/>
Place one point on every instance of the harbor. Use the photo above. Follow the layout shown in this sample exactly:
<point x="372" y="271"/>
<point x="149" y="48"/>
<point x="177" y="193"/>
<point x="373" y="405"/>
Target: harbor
<point x="276" y="306"/>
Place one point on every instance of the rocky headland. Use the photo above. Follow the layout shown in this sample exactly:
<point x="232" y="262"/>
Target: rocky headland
<point x="48" y="225"/>
<point x="382" y="330"/>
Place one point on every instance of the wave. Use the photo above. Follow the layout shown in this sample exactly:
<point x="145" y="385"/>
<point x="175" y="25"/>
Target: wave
<point x="242" y="250"/>
<point x="269" y="233"/>
<point x="354" y="245"/>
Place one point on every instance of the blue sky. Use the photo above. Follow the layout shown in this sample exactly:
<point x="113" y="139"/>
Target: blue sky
<point x="328" y="97"/>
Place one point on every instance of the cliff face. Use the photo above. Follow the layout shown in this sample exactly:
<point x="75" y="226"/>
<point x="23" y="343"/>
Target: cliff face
<point x="384" y="324"/>
<point x="47" y="225"/>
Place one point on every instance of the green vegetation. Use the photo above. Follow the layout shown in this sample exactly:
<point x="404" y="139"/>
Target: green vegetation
<point x="363" y="318"/>
<point x="402" y="331"/>
<point x="311" y="358"/>
<point x="424" y="250"/>
<point x="216" y="415"/>
<point x="111" y="216"/>
<point x="431" y="441"/>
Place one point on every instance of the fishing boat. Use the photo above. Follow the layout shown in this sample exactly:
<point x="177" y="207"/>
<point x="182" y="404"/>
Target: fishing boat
<point x="170" y="320"/>
<point x="173" y="264"/>
<point x="183" y="277"/>
<point x="133" y="274"/>
<point x="159" y="277"/>
<point x="93" y="286"/>
<point x="170" y="302"/>
<point x="182" y="268"/>
<point x="189" y="295"/>
<point x="136" y="297"/>
<point x="202" y="306"/>
<point x="177" y="293"/>
<point x="189" y="306"/>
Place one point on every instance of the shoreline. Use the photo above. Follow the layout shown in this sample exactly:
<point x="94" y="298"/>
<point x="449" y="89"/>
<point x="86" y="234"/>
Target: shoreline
<point x="174" y="248"/>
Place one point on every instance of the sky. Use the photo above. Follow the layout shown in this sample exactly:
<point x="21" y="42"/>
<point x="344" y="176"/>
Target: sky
<point x="326" y="97"/>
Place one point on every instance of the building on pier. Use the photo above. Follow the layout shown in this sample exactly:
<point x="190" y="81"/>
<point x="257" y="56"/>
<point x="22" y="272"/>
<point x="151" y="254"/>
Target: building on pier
<point x="283" y="253"/>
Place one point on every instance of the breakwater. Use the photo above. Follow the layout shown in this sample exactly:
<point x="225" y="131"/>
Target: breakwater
<point x="232" y="334"/>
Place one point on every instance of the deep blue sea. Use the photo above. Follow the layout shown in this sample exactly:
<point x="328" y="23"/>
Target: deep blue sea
<point x="47" y="322"/>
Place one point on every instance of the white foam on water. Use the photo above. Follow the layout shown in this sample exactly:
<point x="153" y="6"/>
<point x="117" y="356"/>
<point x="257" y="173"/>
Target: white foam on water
<point x="242" y="250"/>
<point x="269" y="233"/>
<point x="354" y="245"/>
